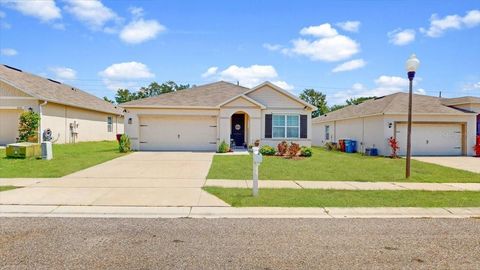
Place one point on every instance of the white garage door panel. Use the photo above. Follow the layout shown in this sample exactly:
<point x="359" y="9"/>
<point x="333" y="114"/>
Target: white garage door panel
<point x="431" y="139"/>
<point x="188" y="133"/>
<point x="9" y="126"/>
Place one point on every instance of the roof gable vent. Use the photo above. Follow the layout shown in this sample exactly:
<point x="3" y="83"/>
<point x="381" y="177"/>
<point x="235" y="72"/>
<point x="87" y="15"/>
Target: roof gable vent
<point x="16" y="69"/>
<point x="54" y="81"/>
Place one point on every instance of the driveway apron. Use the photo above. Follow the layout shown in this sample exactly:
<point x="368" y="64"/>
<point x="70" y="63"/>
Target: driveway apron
<point x="137" y="179"/>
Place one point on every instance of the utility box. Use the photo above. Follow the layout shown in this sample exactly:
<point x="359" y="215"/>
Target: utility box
<point x="23" y="150"/>
<point x="47" y="153"/>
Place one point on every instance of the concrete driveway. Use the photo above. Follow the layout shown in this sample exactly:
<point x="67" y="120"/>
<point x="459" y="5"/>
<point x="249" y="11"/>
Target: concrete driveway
<point x="138" y="179"/>
<point x="463" y="163"/>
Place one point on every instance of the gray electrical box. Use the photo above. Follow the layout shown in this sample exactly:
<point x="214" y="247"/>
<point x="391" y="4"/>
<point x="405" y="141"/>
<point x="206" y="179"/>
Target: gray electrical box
<point x="47" y="152"/>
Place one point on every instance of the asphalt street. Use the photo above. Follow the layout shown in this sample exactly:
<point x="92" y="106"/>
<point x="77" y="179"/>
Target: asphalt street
<point x="88" y="243"/>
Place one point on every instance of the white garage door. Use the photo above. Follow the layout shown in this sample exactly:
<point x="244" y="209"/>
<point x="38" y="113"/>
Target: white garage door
<point x="9" y="126"/>
<point x="431" y="139"/>
<point x="184" y="133"/>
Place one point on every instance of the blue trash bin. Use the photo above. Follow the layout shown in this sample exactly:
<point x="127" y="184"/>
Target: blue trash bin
<point x="348" y="146"/>
<point x="354" y="146"/>
<point x="374" y="152"/>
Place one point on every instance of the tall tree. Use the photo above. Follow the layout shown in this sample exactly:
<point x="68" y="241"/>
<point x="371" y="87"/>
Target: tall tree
<point x="317" y="99"/>
<point x="153" y="89"/>
<point x="108" y="100"/>
<point x="358" y="100"/>
<point x="337" y="107"/>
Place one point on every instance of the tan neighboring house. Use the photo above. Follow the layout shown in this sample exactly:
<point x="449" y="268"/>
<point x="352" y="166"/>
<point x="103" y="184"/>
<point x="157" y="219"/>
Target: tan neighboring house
<point x="70" y="113"/>
<point x="200" y="118"/>
<point x="441" y="127"/>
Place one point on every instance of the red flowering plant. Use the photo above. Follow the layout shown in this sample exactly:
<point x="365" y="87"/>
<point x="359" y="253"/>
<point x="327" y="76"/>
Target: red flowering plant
<point x="476" y="149"/>
<point x="393" y="143"/>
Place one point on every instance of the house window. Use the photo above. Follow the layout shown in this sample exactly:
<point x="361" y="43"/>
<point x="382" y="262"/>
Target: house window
<point x="110" y="124"/>
<point x="285" y="126"/>
<point x="327" y="133"/>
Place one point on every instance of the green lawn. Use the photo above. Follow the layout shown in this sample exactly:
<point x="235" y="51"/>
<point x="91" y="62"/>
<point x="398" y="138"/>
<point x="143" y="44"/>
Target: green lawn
<point x="5" y="188"/>
<point x="67" y="158"/>
<point x="239" y="197"/>
<point x="336" y="166"/>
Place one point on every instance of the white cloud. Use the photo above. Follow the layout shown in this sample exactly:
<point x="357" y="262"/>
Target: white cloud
<point x="472" y="18"/>
<point x="64" y="73"/>
<point x="471" y="86"/>
<point x="350" y="65"/>
<point x="141" y="30"/>
<point x="92" y="12"/>
<point x="248" y="76"/>
<point x="284" y="85"/>
<point x="323" y="30"/>
<point x="401" y="37"/>
<point x="137" y="12"/>
<point x="8" y="52"/>
<point x="272" y="47"/>
<point x="124" y="75"/>
<point x="384" y="85"/>
<point x="420" y="91"/>
<point x="329" y="49"/>
<point x="451" y="22"/>
<point x="45" y="10"/>
<point x="350" y="26"/>
<point x="210" y="72"/>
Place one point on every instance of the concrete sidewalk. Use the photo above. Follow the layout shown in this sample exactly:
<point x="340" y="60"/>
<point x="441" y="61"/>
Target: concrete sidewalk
<point x="231" y="212"/>
<point x="345" y="185"/>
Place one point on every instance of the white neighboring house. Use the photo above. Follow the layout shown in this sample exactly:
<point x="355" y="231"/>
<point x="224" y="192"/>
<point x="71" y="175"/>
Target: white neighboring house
<point x="70" y="113"/>
<point x="441" y="126"/>
<point x="199" y="118"/>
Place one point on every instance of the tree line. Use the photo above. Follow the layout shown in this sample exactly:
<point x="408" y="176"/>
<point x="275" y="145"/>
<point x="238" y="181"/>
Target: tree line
<point x="319" y="100"/>
<point x="316" y="98"/>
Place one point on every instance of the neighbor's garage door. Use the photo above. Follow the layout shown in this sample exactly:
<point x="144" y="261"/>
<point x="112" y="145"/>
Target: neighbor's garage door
<point x="9" y="126"/>
<point x="192" y="133"/>
<point x="431" y="139"/>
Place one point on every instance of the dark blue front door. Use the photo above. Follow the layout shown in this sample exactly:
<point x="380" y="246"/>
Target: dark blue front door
<point x="238" y="129"/>
<point x="478" y="125"/>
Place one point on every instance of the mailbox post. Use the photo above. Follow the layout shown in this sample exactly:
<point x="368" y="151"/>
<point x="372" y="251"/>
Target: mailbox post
<point x="257" y="159"/>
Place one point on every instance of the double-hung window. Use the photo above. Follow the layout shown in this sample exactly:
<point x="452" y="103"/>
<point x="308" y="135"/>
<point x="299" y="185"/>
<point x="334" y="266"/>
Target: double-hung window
<point x="285" y="126"/>
<point x="327" y="133"/>
<point x="110" y="124"/>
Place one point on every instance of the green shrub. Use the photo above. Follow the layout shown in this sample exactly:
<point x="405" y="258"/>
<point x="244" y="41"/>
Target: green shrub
<point x="331" y="146"/>
<point x="267" y="150"/>
<point x="28" y="127"/>
<point x="124" y="144"/>
<point x="223" y="147"/>
<point x="306" y="151"/>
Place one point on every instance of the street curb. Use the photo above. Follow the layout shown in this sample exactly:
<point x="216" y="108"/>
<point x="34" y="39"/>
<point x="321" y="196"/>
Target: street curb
<point x="231" y="212"/>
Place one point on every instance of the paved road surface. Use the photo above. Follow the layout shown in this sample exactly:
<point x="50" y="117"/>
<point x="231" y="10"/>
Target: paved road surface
<point x="77" y="243"/>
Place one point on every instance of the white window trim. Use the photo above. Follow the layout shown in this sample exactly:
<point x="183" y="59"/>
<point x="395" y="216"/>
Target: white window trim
<point x="109" y="125"/>
<point x="285" y="126"/>
<point x="327" y="132"/>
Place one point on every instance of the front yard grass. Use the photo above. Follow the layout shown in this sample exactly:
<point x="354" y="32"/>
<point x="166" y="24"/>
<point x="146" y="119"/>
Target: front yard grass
<point x="336" y="166"/>
<point x="5" y="188"/>
<point x="67" y="159"/>
<point x="239" y="197"/>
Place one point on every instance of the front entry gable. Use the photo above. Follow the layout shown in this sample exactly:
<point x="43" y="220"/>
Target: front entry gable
<point x="273" y="96"/>
<point x="242" y="101"/>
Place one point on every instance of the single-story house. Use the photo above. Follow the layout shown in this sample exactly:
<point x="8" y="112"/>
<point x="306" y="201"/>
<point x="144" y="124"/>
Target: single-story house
<point x="71" y="114"/>
<point x="200" y="118"/>
<point x="441" y="126"/>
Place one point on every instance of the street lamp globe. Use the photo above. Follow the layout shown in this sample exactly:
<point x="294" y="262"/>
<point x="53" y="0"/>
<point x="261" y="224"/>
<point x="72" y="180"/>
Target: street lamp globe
<point x="412" y="63"/>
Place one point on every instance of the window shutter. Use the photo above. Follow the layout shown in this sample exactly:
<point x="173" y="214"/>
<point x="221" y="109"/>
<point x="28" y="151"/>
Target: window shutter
<point x="303" y="126"/>
<point x="268" y="126"/>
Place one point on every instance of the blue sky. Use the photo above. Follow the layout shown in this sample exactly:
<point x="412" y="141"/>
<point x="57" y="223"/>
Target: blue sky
<point x="342" y="48"/>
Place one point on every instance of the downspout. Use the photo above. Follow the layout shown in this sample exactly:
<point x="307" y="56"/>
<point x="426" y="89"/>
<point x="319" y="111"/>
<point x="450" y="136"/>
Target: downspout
<point x="40" y="110"/>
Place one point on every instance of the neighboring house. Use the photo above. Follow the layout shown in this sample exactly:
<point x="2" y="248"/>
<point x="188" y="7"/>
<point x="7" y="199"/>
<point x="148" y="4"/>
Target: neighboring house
<point x="445" y="126"/>
<point x="202" y="117"/>
<point x="70" y="113"/>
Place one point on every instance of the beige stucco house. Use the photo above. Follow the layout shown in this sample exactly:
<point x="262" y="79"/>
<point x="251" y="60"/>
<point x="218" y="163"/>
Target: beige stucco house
<point x="200" y="118"/>
<point x="441" y="126"/>
<point x="70" y="113"/>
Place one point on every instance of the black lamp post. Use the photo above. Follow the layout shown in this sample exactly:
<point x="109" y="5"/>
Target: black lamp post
<point x="411" y="65"/>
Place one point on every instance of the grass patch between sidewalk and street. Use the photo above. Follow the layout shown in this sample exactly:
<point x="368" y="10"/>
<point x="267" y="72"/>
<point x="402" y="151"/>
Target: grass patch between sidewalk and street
<point x="241" y="197"/>
<point x="5" y="188"/>
<point x="67" y="159"/>
<point x="337" y="166"/>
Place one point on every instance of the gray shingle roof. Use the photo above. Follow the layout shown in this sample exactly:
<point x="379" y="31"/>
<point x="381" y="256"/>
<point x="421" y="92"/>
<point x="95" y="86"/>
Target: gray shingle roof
<point x="52" y="91"/>
<point x="392" y="104"/>
<point x="208" y="95"/>
<point x="460" y="100"/>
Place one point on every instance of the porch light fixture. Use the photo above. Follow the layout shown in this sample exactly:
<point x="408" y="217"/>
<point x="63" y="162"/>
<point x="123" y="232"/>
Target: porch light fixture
<point x="411" y="66"/>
